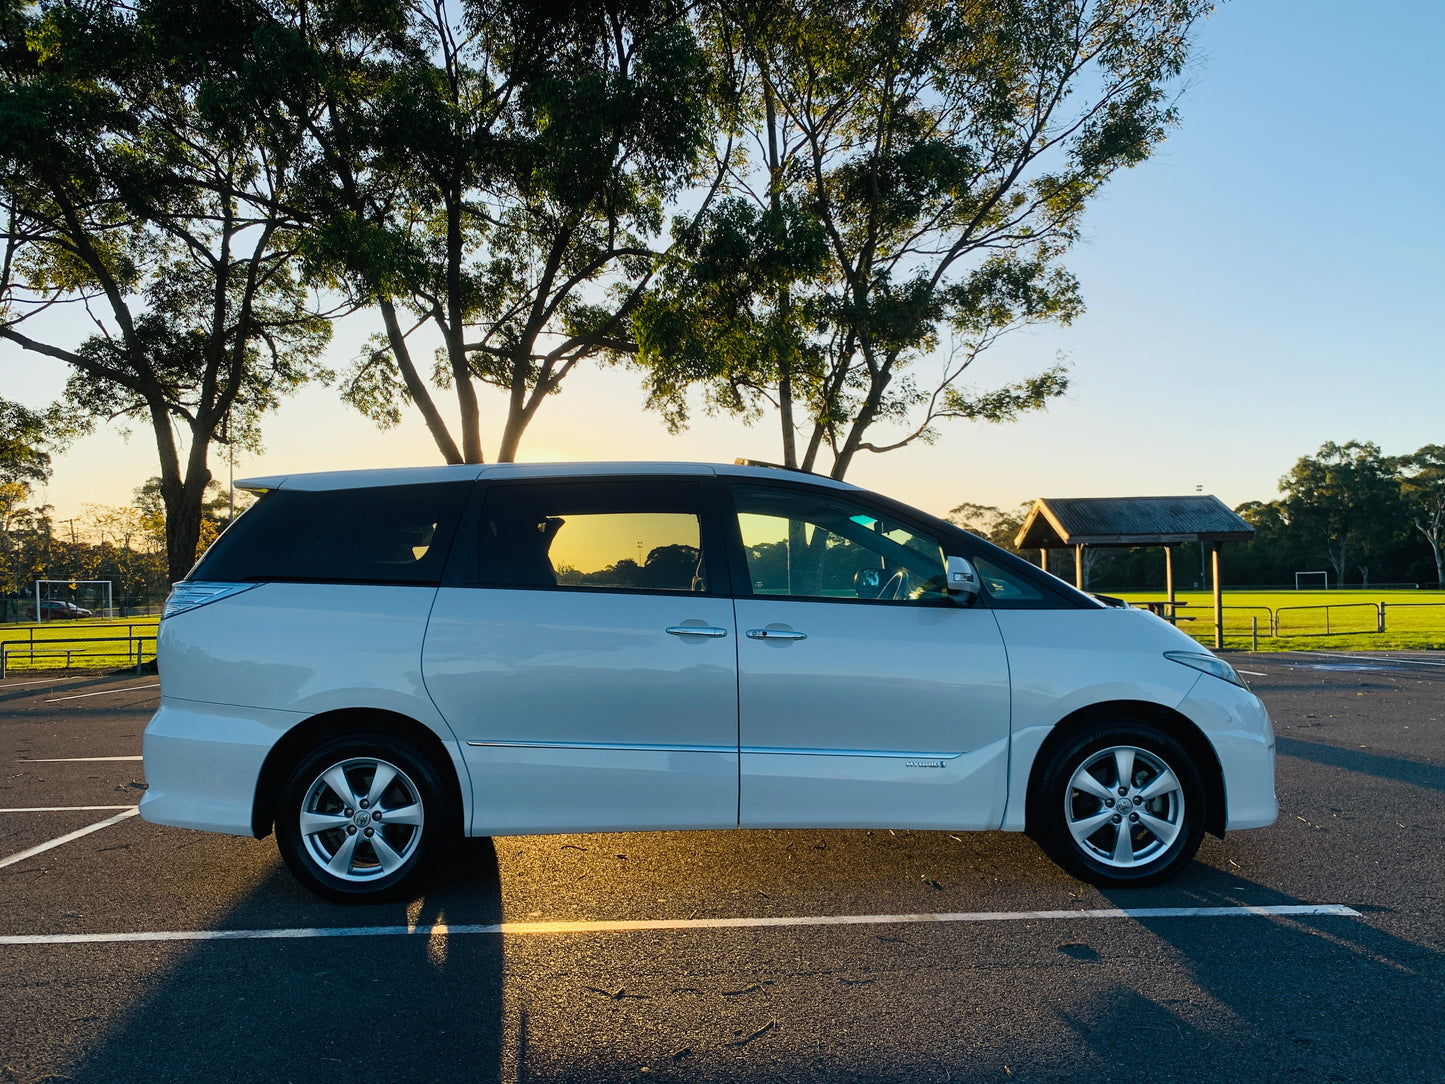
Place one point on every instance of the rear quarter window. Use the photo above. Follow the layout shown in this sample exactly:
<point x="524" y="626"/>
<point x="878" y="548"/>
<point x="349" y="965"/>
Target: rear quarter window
<point x="387" y="534"/>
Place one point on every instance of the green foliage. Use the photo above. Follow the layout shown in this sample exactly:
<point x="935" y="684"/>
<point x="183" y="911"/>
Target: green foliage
<point x="1422" y="486"/>
<point x="926" y="164"/>
<point x="994" y="524"/>
<point x="497" y="173"/>
<point x="150" y="154"/>
<point x="1347" y="498"/>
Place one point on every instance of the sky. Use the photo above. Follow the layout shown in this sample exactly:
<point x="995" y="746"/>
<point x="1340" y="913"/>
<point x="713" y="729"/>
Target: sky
<point x="1272" y="279"/>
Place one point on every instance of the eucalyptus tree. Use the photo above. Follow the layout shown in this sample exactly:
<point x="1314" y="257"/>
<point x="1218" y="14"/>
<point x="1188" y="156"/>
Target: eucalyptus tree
<point x="918" y="169"/>
<point x="1422" y="482"/>
<point x="147" y="240"/>
<point x="492" y="177"/>
<point x="1345" y="499"/>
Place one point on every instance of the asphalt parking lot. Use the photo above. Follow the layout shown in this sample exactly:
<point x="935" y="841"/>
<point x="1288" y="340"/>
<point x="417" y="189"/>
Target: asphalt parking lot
<point x="1308" y="951"/>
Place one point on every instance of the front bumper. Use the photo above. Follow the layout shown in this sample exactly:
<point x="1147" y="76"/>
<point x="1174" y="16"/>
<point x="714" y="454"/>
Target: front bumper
<point x="1237" y="725"/>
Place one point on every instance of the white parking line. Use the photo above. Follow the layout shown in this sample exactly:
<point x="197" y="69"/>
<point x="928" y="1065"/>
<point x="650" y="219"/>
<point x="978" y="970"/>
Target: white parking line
<point x="69" y="760"/>
<point x="66" y="808"/>
<point x="42" y="847"/>
<point x="103" y="692"/>
<point x="515" y="928"/>
<point x="1395" y="659"/>
<point x="1253" y="673"/>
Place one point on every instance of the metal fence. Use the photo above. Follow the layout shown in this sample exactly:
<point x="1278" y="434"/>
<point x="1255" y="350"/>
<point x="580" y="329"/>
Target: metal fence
<point x="50" y="650"/>
<point x="1324" y="619"/>
<point x="1347" y="617"/>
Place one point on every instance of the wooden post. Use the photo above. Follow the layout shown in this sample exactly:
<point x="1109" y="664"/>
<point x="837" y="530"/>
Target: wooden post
<point x="1044" y="559"/>
<point x="1218" y="596"/>
<point x="1169" y="574"/>
<point x="1079" y="567"/>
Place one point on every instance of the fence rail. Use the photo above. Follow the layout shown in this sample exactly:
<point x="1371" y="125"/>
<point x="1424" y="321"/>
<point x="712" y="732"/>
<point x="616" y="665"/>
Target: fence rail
<point x="1320" y="619"/>
<point x="57" y="646"/>
<point x="1345" y="617"/>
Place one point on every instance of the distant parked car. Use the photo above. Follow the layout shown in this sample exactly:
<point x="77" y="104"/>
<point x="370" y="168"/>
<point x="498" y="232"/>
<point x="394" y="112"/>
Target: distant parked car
<point x="371" y="661"/>
<point x="56" y="609"/>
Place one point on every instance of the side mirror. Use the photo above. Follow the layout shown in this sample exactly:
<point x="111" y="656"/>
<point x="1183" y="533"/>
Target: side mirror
<point x="962" y="578"/>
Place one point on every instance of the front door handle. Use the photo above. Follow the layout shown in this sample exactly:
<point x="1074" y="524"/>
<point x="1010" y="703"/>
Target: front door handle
<point x="776" y="634"/>
<point x="696" y="630"/>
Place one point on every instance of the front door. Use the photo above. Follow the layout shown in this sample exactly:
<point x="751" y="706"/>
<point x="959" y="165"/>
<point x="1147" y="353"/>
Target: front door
<point x="867" y="695"/>
<point x="592" y="675"/>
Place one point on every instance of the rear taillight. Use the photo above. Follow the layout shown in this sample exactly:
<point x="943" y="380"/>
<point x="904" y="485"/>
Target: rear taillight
<point x="189" y="595"/>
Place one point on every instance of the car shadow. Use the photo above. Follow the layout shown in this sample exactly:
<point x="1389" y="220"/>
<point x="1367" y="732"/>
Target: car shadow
<point x="1415" y="772"/>
<point x="320" y="1008"/>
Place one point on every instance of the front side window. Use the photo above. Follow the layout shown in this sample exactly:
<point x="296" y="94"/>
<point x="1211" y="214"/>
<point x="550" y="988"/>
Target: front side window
<point x="618" y="536"/>
<point x="809" y="545"/>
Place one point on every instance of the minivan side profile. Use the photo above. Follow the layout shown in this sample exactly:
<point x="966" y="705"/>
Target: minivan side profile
<point x="368" y="663"/>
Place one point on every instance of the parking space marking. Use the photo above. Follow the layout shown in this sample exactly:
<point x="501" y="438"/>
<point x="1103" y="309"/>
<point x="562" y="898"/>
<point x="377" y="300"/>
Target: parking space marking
<point x="67" y="808"/>
<point x="69" y="760"/>
<point x="1395" y="659"/>
<point x="40" y="848"/>
<point x="623" y="926"/>
<point x="104" y="692"/>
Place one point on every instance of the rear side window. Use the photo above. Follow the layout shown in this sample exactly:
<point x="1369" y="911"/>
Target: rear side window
<point x="388" y="534"/>
<point x="622" y="536"/>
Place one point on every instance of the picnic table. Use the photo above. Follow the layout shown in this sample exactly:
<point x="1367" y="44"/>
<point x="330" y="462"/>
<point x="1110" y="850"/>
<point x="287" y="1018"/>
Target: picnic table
<point x="1166" y="609"/>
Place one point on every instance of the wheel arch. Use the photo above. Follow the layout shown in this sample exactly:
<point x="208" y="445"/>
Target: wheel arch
<point x="346" y="722"/>
<point x="1178" y="726"/>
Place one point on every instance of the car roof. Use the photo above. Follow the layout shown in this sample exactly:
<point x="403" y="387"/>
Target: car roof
<point x="396" y="476"/>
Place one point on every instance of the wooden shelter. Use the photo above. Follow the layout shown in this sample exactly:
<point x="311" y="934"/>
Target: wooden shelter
<point x="1076" y="522"/>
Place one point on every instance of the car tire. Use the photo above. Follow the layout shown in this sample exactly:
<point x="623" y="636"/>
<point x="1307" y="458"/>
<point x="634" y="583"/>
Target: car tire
<point x="1139" y="837"/>
<point x="361" y="818"/>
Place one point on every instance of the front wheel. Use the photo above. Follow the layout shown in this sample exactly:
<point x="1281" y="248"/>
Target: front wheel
<point x="1120" y="806"/>
<point x="361" y="818"/>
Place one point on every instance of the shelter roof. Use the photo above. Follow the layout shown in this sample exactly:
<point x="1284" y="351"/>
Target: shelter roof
<point x="1057" y="522"/>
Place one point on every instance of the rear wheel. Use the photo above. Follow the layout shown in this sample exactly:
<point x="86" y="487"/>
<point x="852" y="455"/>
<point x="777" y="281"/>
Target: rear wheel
<point x="361" y="818"/>
<point x="1120" y="806"/>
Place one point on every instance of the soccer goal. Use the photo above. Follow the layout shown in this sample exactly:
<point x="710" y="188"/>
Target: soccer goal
<point x="1311" y="581"/>
<point x="65" y="600"/>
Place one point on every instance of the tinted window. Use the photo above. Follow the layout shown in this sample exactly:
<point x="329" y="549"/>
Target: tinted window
<point x="1005" y="588"/>
<point x="391" y="534"/>
<point x="625" y="536"/>
<point x="811" y="545"/>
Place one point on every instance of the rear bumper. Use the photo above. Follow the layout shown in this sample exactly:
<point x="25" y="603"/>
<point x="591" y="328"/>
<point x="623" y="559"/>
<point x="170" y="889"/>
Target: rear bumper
<point x="202" y="762"/>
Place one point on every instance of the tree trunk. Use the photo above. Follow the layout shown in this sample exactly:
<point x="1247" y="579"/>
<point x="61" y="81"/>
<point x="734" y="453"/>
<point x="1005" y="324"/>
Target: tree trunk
<point x="414" y="385"/>
<point x="181" y="497"/>
<point x="453" y="331"/>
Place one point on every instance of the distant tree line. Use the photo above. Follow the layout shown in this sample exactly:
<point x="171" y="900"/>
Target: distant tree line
<point x="816" y="212"/>
<point x="1363" y="516"/>
<point x="124" y="544"/>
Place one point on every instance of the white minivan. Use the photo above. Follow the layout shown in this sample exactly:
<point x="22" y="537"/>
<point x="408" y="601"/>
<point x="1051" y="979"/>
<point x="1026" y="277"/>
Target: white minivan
<point x="371" y="662"/>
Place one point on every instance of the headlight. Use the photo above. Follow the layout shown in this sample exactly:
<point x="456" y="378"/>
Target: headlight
<point x="1209" y="664"/>
<point x="190" y="594"/>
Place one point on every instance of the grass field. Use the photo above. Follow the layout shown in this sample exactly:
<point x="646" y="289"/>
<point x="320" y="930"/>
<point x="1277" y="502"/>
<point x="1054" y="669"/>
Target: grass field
<point x="53" y="645"/>
<point x="1316" y="620"/>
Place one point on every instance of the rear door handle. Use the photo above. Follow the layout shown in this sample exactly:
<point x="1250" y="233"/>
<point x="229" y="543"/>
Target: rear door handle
<point x="696" y="630"/>
<point x="776" y="634"/>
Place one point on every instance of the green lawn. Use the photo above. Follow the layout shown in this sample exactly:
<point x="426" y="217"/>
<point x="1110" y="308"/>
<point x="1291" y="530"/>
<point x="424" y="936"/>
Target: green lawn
<point x="55" y="644"/>
<point x="1316" y="620"/>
